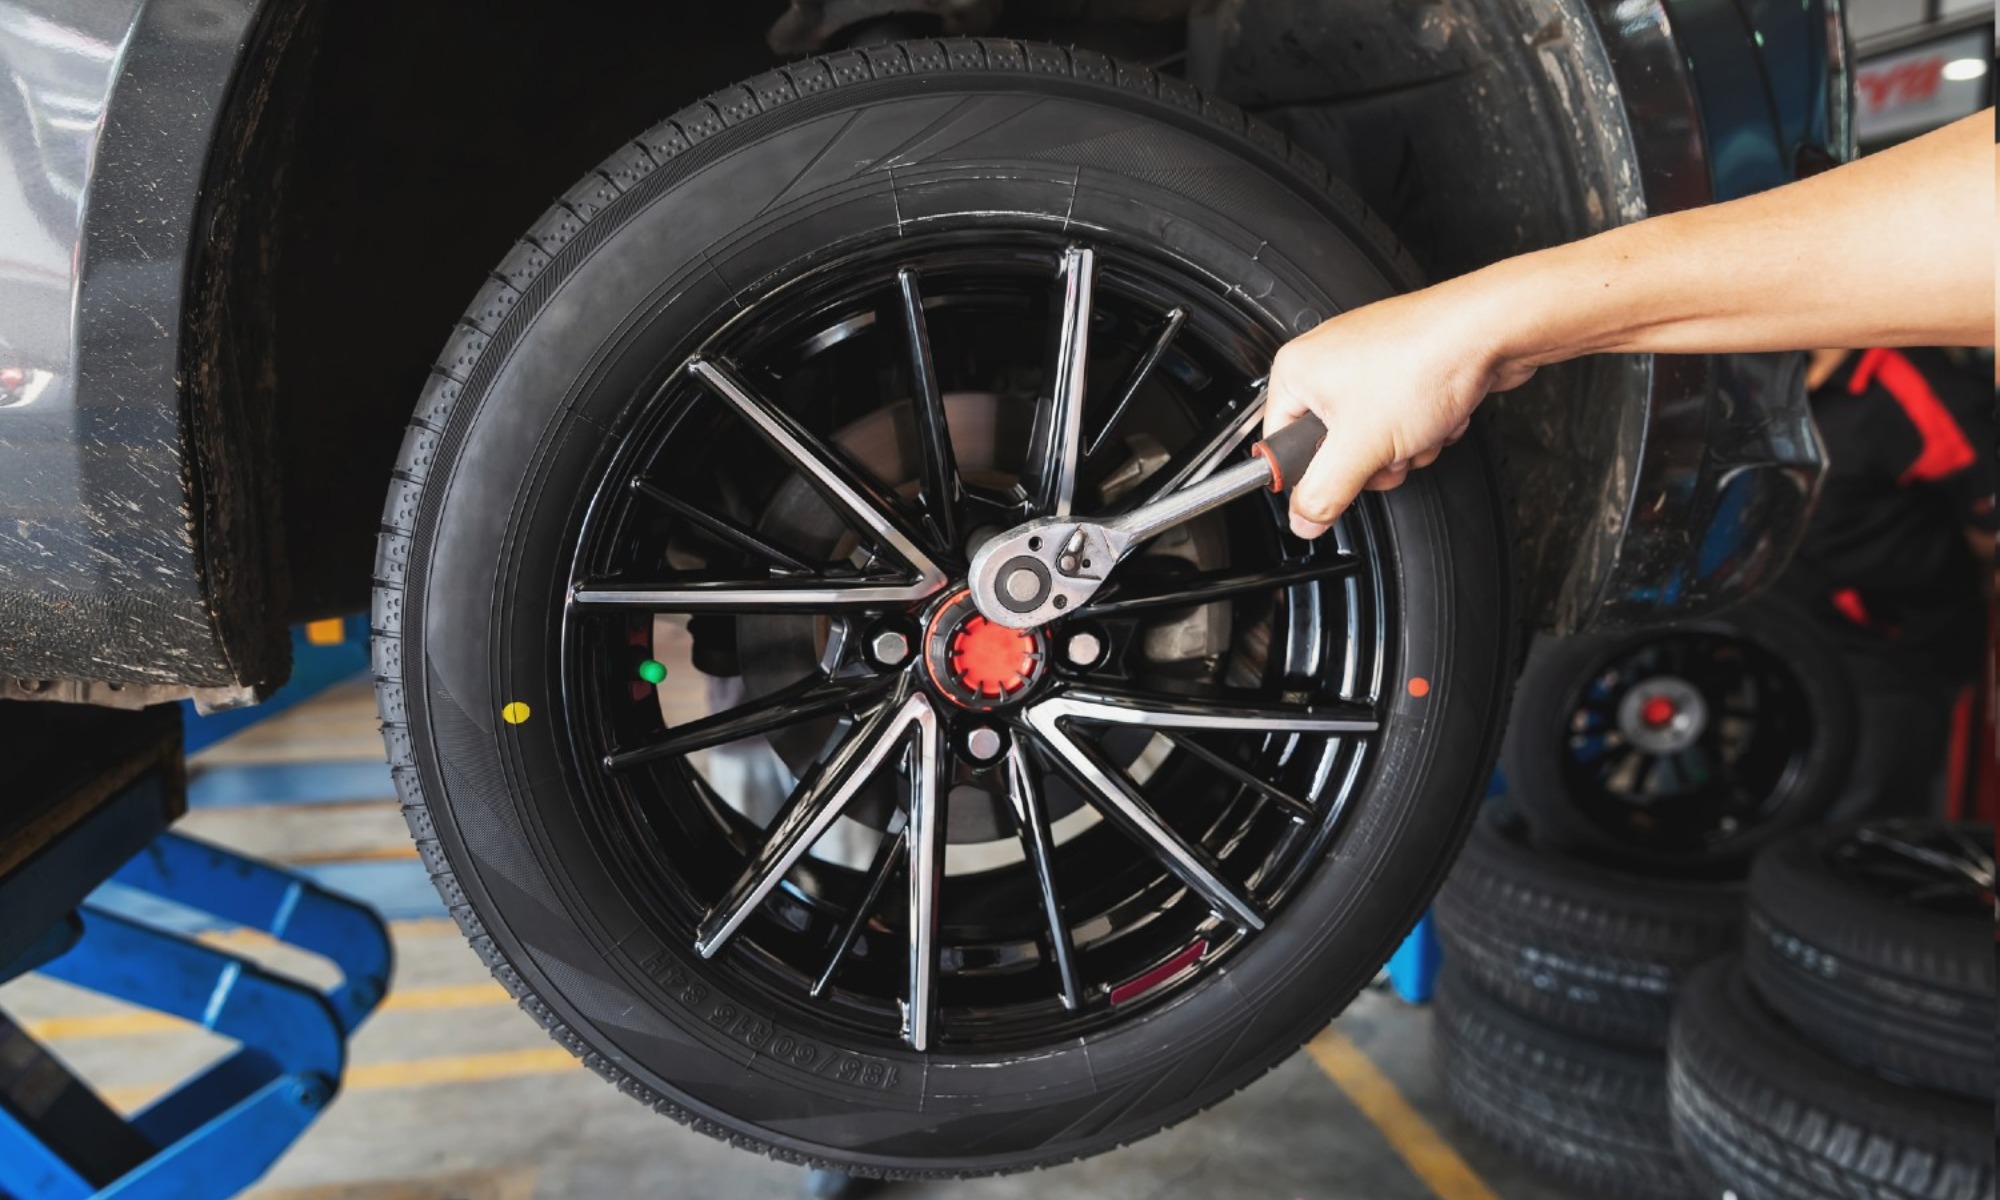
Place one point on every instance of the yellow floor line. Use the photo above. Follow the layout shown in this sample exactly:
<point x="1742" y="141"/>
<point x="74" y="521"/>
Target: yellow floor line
<point x="1412" y="1137"/>
<point x="508" y="1183"/>
<point x="402" y="852"/>
<point x="388" y="1076"/>
<point x="138" y="1024"/>
<point x="469" y="1068"/>
<point x="257" y="939"/>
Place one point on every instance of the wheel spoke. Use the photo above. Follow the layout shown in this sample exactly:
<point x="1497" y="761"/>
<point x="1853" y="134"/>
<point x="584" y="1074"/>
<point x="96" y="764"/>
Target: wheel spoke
<point x="751" y="596"/>
<point x="1031" y="822"/>
<point x="813" y="696"/>
<point x="864" y="505"/>
<point x="721" y="527"/>
<point x="1186" y="712"/>
<point x="887" y="857"/>
<point x="1210" y="586"/>
<point x="1108" y="791"/>
<point x="926" y="835"/>
<point x="1231" y="432"/>
<point x="811" y="809"/>
<point x="1052" y="453"/>
<point x="1298" y="809"/>
<point x="942" y="489"/>
<point x="1141" y="371"/>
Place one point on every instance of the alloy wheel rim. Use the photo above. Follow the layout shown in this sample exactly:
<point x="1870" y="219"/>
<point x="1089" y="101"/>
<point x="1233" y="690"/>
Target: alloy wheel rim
<point x="1935" y="867"/>
<point x="1204" y="799"/>
<point x="1687" y="741"/>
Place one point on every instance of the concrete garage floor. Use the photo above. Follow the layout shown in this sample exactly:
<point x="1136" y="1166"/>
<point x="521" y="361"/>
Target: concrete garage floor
<point x="452" y="1094"/>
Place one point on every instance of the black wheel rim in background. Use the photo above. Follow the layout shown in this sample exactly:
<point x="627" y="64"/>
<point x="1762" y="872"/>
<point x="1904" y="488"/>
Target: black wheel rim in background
<point x="1933" y="867"/>
<point x="1164" y="808"/>
<point x="1686" y="741"/>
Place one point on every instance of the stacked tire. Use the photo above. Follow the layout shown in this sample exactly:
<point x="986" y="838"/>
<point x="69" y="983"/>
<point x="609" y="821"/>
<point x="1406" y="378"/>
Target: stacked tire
<point x="1849" y="1051"/>
<point x="1555" y="1004"/>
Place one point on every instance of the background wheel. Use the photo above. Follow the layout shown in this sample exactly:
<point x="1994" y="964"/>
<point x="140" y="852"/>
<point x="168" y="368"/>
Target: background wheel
<point x="1760" y="1112"/>
<point x="1591" y="1115"/>
<point x="1596" y="952"/>
<point x="1683" y="748"/>
<point x="707" y="752"/>
<point x="1875" y="941"/>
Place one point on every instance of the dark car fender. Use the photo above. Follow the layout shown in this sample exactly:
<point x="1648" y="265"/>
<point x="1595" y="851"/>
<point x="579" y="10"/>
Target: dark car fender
<point x="125" y="557"/>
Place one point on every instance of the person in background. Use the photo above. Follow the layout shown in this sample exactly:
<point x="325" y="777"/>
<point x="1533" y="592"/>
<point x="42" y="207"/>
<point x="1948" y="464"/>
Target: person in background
<point x="1898" y="560"/>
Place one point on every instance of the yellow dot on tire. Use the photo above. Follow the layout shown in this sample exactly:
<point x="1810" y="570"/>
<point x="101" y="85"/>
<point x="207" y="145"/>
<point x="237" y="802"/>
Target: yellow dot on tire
<point x="514" y="713"/>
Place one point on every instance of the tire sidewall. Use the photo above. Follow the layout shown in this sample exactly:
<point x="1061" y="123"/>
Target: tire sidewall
<point x="491" y="551"/>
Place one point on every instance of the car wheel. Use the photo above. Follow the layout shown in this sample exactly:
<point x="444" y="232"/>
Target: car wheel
<point x="1685" y="748"/>
<point x="697" y="729"/>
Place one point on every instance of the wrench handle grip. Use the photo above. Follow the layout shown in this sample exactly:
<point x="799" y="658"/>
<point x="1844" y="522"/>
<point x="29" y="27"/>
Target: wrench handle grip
<point x="1289" y="450"/>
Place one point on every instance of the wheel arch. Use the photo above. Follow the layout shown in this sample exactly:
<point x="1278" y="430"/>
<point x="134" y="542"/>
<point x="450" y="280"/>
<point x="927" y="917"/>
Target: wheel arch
<point x="383" y="124"/>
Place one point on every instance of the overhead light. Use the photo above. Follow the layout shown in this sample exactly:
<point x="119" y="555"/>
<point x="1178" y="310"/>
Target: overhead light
<point x="1960" y="70"/>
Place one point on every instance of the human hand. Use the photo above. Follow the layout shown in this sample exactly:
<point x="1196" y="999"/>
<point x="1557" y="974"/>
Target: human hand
<point x="1395" y="382"/>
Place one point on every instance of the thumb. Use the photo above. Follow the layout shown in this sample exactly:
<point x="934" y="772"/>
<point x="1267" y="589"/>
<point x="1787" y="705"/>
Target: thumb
<point x="1331" y="482"/>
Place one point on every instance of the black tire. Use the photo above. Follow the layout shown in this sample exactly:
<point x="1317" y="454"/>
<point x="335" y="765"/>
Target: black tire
<point x="1590" y="1115"/>
<point x="1593" y="951"/>
<point x="1553" y="791"/>
<point x="1763" y="1114"/>
<point x="720" y="207"/>
<point x="1905" y="991"/>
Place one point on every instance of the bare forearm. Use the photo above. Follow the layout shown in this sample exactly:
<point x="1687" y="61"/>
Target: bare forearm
<point x="1894" y="250"/>
<point x="1897" y="249"/>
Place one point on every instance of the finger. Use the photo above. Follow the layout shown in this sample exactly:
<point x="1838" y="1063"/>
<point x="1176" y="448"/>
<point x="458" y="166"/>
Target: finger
<point x="1388" y="479"/>
<point x="1464" y="427"/>
<point x="1426" y="458"/>
<point x="1332" y="480"/>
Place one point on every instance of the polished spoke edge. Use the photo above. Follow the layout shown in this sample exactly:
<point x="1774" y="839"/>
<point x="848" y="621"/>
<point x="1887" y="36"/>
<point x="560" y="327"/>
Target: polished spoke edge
<point x="1212" y="586"/>
<point x="1031" y="823"/>
<point x="1053" y="455"/>
<point x="1297" y="808"/>
<point x="1142" y="370"/>
<point x="1176" y="712"/>
<point x="722" y="528"/>
<point x="868" y="510"/>
<point x="926" y="874"/>
<point x="813" y="696"/>
<point x="1235" y="430"/>
<point x="888" y="856"/>
<point x="753" y="596"/>
<point x="1107" y="791"/>
<point x="808" y="813"/>
<point x="941" y="486"/>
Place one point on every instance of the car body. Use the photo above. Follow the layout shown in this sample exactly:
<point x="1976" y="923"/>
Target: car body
<point x="233" y="233"/>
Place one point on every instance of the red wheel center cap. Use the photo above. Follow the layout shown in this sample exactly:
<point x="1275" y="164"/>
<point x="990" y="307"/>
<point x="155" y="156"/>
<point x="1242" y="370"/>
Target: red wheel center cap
<point x="992" y="660"/>
<point x="976" y="663"/>
<point x="1658" y="711"/>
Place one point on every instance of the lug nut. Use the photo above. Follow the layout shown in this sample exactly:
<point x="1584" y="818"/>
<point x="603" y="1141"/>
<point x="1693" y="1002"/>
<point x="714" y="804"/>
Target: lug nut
<point x="889" y="647"/>
<point x="983" y="744"/>
<point x="1083" y="649"/>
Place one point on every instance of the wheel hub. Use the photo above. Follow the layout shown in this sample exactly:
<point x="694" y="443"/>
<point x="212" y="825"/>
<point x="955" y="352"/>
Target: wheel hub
<point x="1663" y="715"/>
<point x="976" y="664"/>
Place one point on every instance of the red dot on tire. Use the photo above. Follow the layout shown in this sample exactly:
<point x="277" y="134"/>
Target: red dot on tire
<point x="1419" y="686"/>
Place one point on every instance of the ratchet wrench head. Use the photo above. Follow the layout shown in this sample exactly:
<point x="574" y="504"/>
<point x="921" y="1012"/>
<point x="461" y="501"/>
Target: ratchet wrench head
<point x="1045" y="569"/>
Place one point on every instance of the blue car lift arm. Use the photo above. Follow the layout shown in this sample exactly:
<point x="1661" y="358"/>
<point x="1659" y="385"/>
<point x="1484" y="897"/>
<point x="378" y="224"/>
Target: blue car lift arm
<point x="218" y="1132"/>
